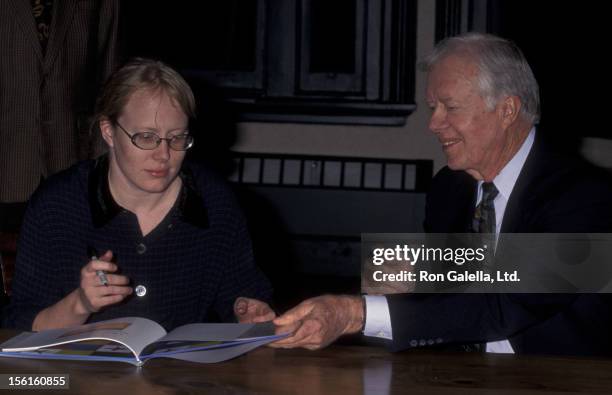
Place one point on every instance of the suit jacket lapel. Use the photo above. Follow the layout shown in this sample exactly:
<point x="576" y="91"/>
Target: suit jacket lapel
<point x="463" y="202"/>
<point x="469" y="205"/>
<point x="524" y="189"/>
<point x="25" y="20"/>
<point x="63" y="12"/>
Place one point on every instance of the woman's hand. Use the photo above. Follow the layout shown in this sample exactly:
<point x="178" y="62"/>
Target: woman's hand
<point x="249" y="310"/>
<point x="93" y="293"/>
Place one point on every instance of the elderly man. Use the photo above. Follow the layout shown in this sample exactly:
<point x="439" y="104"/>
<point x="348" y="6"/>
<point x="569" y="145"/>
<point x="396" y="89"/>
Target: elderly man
<point x="484" y="102"/>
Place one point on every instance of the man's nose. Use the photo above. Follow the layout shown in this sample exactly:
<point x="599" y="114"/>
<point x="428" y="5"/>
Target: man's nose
<point x="438" y="120"/>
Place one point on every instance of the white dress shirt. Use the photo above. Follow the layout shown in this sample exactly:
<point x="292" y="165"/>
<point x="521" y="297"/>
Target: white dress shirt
<point x="378" y="318"/>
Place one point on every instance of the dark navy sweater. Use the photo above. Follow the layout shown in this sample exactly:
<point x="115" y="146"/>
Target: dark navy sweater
<point x="194" y="264"/>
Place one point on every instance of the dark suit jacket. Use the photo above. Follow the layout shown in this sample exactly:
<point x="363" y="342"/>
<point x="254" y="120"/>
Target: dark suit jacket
<point x="553" y="193"/>
<point x="46" y="98"/>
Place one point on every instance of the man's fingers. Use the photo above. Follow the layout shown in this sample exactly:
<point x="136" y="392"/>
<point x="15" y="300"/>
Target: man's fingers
<point x="281" y="330"/>
<point x="293" y="315"/>
<point x="289" y="328"/>
<point x="321" y="321"/>
<point x="303" y="331"/>
<point x="311" y="341"/>
<point x="312" y="347"/>
<point x="295" y="343"/>
<point x="290" y="342"/>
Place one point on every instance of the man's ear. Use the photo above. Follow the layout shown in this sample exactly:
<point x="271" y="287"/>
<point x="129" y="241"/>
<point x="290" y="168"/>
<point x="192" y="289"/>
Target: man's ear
<point x="106" y="129"/>
<point x="510" y="109"/>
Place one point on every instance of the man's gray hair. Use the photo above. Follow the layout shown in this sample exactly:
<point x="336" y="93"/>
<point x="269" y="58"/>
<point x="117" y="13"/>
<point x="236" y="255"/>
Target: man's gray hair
<point x="503" y="69"/>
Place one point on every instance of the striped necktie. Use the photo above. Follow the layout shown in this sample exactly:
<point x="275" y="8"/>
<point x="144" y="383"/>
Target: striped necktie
<point x="484" y="216"/>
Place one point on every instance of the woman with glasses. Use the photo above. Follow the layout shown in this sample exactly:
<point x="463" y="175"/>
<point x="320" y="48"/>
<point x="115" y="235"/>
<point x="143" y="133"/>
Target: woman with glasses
<point x="137" y="232"/>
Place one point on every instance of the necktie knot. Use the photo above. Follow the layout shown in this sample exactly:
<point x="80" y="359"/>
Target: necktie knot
<point x="489" y="192"/>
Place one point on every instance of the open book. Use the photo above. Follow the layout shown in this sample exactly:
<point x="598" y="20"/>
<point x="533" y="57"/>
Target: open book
<point x="136" y="340"/>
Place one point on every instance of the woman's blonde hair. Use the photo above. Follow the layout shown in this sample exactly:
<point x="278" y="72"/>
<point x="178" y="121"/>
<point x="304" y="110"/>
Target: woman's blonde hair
<point x="138" y="74"/>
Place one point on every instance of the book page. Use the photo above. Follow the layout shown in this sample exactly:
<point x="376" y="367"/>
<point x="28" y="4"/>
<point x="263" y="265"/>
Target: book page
<point x="133" y="332"/>
<point x="99" y="349"/>
<point x="199" y="337"/>
<point x="220" y="332"/>
<point x="216" y="354"/>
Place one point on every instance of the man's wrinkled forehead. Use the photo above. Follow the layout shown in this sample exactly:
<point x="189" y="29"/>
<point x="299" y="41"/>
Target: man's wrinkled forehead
<point x="449" y="75"/>
<point x="456" y="65"/>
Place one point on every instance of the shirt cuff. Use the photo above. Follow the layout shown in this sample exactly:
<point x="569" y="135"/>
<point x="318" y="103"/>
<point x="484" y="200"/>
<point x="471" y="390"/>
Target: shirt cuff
<point x="378" y="319"/>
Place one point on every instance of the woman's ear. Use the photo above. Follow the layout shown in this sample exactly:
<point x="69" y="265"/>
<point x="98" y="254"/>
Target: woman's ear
<point x="106" y="128"/>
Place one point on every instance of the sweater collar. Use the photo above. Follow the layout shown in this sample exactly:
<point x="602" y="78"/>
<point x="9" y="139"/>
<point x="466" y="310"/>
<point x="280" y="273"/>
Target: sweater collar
<point x="189" y="204"/>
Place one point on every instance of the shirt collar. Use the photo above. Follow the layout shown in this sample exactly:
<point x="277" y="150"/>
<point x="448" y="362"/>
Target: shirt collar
<point x="189" y="205"/>
<point x="505" y="180"/>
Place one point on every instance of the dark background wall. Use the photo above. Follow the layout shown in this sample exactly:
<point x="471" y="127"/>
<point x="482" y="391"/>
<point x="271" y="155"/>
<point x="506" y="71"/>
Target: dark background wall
<point x="566" y="44"/>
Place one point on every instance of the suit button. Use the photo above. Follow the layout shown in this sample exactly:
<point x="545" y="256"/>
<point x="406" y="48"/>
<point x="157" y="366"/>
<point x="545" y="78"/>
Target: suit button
<point x="430" y="342"/>
<point x="141" y="248"/>
<point x="439" y="340"/>
<point x="422" y="342"/>
<point x="414" y="343"/>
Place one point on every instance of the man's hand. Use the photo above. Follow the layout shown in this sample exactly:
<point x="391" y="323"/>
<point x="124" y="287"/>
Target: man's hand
<point x="93" y="295"/>
<point x="252" y="310"/>
<point x="317" y="322"/>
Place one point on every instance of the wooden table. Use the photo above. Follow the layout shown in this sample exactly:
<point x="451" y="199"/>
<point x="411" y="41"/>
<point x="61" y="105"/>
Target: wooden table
<point x="335" y="370"/>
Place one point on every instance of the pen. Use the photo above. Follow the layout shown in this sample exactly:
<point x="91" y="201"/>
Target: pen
<point x="100" y="273"/>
